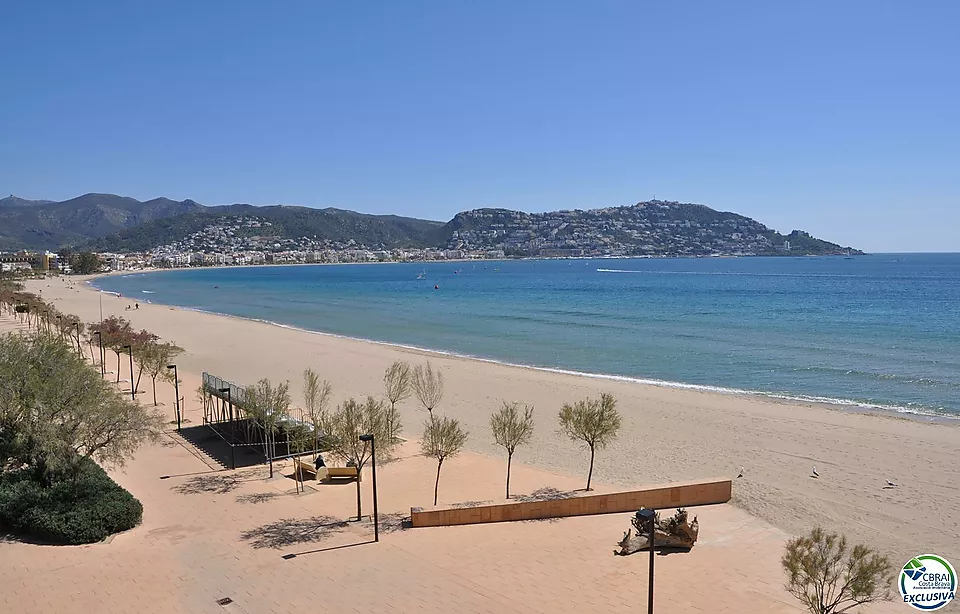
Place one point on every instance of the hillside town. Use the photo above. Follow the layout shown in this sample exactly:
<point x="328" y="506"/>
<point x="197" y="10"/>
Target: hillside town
<point x="648" y="229"/>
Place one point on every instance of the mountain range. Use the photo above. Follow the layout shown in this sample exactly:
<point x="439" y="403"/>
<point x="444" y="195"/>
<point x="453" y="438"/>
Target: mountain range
<point x="108" y="222"/>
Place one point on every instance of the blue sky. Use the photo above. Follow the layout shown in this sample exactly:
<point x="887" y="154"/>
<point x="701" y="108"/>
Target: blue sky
<point x="841" y="118"/>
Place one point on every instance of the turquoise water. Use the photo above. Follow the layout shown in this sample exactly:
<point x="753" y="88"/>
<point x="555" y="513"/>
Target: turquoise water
<point x="880" y="331"/>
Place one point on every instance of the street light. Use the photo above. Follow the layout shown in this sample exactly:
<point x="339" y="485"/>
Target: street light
<point x="373" y="461"/>
<point x="133" y="388"/>
<point x="99" y="335"/>
<point x="176" y="387"/>
<point x="648" y="516"/>
<point x="233" y="434"/>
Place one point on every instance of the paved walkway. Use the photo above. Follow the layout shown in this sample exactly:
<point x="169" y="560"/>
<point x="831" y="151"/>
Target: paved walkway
<point x="210" y="534"/>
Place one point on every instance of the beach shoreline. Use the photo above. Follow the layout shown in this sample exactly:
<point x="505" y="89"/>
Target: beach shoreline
<point x="668" y="434"/>
<point x="844" y="405"/>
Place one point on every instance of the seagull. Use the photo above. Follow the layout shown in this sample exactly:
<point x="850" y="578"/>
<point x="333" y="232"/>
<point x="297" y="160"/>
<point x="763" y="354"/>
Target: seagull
<point x="740" y="475"/>
<point x="815" y="474"/>
<point x="891" y="484"/>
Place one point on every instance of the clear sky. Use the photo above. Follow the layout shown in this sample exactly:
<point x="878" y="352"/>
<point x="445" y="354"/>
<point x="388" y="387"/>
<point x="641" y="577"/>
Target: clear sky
<point x="838" y="117"/>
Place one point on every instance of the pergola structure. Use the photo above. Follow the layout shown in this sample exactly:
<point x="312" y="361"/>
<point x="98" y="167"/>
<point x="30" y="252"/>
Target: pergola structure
<point x="227" y="415"/>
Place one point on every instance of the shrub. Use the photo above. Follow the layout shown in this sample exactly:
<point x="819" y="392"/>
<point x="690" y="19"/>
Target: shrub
<point x="80" y="511"/>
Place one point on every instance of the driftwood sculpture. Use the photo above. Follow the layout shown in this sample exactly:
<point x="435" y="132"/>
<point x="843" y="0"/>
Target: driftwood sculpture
<point x="676" y="532"/>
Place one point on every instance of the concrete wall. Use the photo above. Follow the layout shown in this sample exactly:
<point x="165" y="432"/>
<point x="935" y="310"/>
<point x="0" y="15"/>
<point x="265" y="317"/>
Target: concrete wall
<point x="658" y="497"/>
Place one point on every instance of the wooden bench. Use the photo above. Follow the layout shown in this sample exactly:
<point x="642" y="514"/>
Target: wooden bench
<point x="340" y="473"/>
<point x="300" y="468"/>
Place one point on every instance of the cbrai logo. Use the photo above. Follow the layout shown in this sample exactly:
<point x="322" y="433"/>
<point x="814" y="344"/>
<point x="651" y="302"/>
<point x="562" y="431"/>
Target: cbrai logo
<point x="928" y="582"/>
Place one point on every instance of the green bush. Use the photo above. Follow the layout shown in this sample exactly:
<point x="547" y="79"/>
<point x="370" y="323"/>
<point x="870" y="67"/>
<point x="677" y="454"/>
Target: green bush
<point x="83" y="511"/>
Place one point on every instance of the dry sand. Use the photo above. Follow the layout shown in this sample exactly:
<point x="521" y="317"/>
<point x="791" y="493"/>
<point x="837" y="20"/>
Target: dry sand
<point x="667" y="434"/>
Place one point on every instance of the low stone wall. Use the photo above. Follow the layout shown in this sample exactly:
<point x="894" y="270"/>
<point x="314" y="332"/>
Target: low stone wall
<point x="687" y="494"/>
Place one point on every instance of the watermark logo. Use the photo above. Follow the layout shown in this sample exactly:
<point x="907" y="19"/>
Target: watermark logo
<point x="928" y="582"/>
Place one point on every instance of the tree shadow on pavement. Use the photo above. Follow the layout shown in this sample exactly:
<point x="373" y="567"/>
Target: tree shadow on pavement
<point x="257" y="497"/>
<point x="293" y="531"/>
<point x="218" y="483"/>
<point x="390" y="523"/>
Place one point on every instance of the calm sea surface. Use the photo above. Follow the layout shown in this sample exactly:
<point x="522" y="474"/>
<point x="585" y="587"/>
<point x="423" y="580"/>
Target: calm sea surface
<point x="881" y="330"/>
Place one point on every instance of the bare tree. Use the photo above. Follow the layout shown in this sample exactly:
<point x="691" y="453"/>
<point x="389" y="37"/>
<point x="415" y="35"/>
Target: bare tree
<point x="595" y="422"/>
<point x="443" y="438"/>
<point x="397" y="383"/>
<point x="830" y="579"/>
<point x="154" y="358"/>
<point x="511" y="429"/>
<point x="343" y="428"/>
<point x="268" y="404"/>
<point x="428" y="386"/>
<point x="316" y="399"/>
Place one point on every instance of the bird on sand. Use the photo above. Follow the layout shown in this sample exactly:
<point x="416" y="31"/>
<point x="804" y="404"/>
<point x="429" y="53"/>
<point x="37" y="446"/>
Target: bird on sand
<point x="740" y="475"/>
<point x="815" y="474"/>
<point x="891" y="484"/>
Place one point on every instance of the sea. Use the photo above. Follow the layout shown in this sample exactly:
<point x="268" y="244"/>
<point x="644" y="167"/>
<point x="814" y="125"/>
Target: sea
<point x="876" y="332"/>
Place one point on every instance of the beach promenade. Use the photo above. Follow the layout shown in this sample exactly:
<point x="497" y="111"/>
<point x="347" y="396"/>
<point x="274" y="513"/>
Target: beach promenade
<point x="210" y="534"/>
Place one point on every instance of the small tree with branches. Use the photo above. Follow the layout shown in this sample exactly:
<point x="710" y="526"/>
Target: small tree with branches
<point x="343" y="428"/>
<point x="115" y="332"/>
<point x="154" y="358"/>
<point x="316" y="400"/>
<point x="267" y="403"/>
<point x="594" y="422"/>
<point x="512" y="426"/>
<point x="428" y="386"/>
<point x="397" y="382"/>
<point x="829" y="578"/>
<point x="443" y="438"/>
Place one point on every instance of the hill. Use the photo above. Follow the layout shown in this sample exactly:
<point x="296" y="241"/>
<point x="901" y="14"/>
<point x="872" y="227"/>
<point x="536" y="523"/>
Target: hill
<point x="41" y="224"/>
<point x="107" y="222"/>
<point x="329" y="225"/>
<point x="653" y="228"/>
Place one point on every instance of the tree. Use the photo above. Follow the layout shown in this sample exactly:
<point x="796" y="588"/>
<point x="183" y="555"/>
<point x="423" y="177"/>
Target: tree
<point x="595" y="422"/>
<point x="511" y="429"/>
<point x="427" y="384"/>
<point x="316" y="398"/>
<point x="86" y="263"/>
<point x="343" y="428"/>
<point x="443" y="438"/>
<point x="267" y="404"/>
<point x="397" y="387"/>
<point x="56" y="410"/>
<point x="828" y="578"/>
<point x="115" y="332"/>
<point x="154" y="358"/>
<point x="141" y="345"/>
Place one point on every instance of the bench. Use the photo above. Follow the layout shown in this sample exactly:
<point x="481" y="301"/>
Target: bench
<point x="324" y="473"/>
<point x="300" y="468"/>
<point x="340" y="473"/>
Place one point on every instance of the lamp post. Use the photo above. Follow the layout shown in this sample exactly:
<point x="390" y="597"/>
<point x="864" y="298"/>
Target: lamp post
<point x="103" y="372"/>
<point x="176" y="388"/>
<point x="233" y="433"/>
<point x="133" y="388"/>
<point x="648" y="516"/>
<point x="373" y="461"/>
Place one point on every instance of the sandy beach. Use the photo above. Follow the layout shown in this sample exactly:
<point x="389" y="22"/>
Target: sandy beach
<point x="667" y="435"/>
